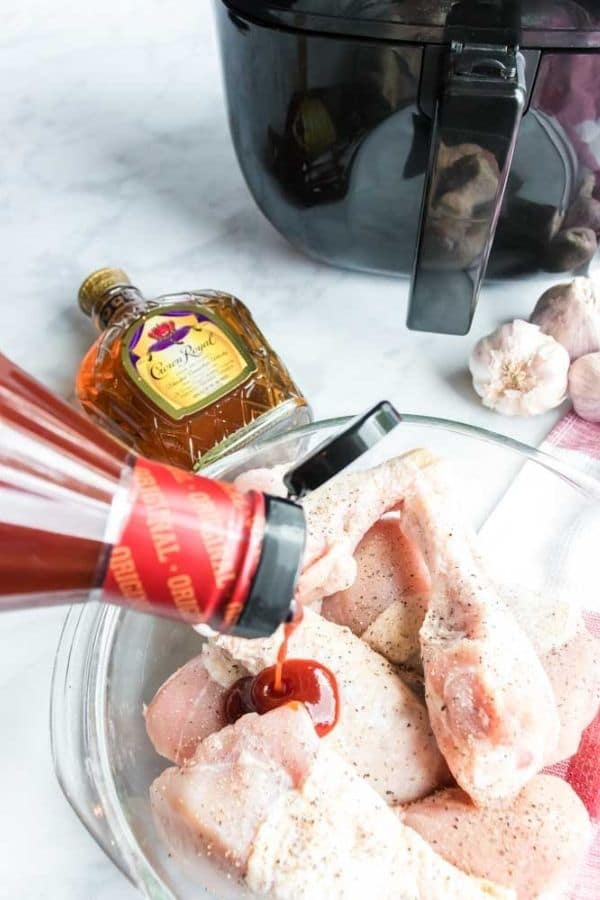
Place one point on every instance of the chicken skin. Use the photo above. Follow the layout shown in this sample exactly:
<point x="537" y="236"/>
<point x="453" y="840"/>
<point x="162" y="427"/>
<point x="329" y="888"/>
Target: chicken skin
<point x="190" y="704"/>
<point x="383" y="730"/>
<point x="503" y="682"/>
<point x="340" y="513"/>
<point x="532" y="845"/>
<point x="276" y="807"/>
<point x="491" y="705"/>
<point x="387" y="603"/>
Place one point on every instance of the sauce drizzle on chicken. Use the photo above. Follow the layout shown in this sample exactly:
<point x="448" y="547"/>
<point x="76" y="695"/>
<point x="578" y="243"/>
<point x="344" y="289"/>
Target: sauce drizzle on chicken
<point x="300" y="681"/>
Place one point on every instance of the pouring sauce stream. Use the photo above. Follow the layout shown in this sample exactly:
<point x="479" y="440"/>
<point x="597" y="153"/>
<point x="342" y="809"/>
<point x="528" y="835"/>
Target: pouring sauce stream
<point x="288" y="681"/>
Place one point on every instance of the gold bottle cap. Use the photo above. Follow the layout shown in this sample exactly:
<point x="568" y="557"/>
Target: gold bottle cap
<point x="97" y="284"/>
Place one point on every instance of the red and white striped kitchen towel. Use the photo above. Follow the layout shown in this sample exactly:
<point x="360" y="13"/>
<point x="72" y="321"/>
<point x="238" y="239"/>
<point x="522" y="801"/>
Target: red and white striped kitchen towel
<point x="578" y="443"/>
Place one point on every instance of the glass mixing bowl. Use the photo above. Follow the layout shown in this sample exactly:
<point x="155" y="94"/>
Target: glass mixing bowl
<point x="111" y="661"/>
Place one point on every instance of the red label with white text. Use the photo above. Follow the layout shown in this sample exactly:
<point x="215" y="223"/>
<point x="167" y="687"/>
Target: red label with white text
<point x="189" y="548"/>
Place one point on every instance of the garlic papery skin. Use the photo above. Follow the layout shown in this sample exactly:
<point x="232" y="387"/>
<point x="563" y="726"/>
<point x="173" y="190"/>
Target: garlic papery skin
<point x="571" y="314"/>
<point x="519" y="371"/>
<point x="584" y="386"/>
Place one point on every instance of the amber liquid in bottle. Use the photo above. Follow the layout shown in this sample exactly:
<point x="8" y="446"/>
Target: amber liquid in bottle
<point x="182" y="378"/>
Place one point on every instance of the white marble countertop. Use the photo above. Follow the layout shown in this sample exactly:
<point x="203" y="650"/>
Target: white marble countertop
<point x="116" y="152"/>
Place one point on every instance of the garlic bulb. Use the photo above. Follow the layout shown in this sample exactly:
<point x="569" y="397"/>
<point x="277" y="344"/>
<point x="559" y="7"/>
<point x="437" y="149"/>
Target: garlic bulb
<point x="518" y="370"/>
<point x="584" y="386"/>
<point x="571" y="314"/>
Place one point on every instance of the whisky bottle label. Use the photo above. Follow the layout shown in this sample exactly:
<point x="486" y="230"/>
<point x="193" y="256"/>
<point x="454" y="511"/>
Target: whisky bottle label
<point x="184" y="359"/>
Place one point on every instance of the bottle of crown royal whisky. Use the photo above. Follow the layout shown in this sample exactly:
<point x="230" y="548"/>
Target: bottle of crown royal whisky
<point x="182" y="378"/>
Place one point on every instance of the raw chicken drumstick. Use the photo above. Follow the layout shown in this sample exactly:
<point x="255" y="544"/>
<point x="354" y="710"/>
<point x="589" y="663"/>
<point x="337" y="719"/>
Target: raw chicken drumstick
<point x="274" y="805"/>
<point x="532" y="845"/>
<point x="490" y="702"/>
<point x="387" y="603"/>
<point x="190" y="704"/>
<point x="344" y="513"/>
<point x="338" y="516"/>
<point x="340" y="513"/>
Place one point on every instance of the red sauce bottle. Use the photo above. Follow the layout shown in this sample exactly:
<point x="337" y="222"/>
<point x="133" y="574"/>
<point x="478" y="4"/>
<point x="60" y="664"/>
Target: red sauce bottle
<point x="81" y="516"/>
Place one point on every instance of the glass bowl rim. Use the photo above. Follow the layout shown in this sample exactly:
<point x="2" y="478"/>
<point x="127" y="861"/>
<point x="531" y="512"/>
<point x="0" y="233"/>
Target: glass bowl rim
<point x="101" y="623"/>
<point x="579" y="479"/>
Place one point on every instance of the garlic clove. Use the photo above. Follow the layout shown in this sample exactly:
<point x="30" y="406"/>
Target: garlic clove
<point x="571" y="314"/>
<point x="519" y="371"/>
<point x="584" y="386"/>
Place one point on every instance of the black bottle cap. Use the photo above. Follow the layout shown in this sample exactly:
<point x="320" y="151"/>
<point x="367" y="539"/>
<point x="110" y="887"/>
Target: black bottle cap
<point x="336" y="453"/>
<point x="270" y="600"/>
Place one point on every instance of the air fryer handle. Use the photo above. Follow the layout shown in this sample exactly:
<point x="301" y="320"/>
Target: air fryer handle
<point x="475" y="126"/>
